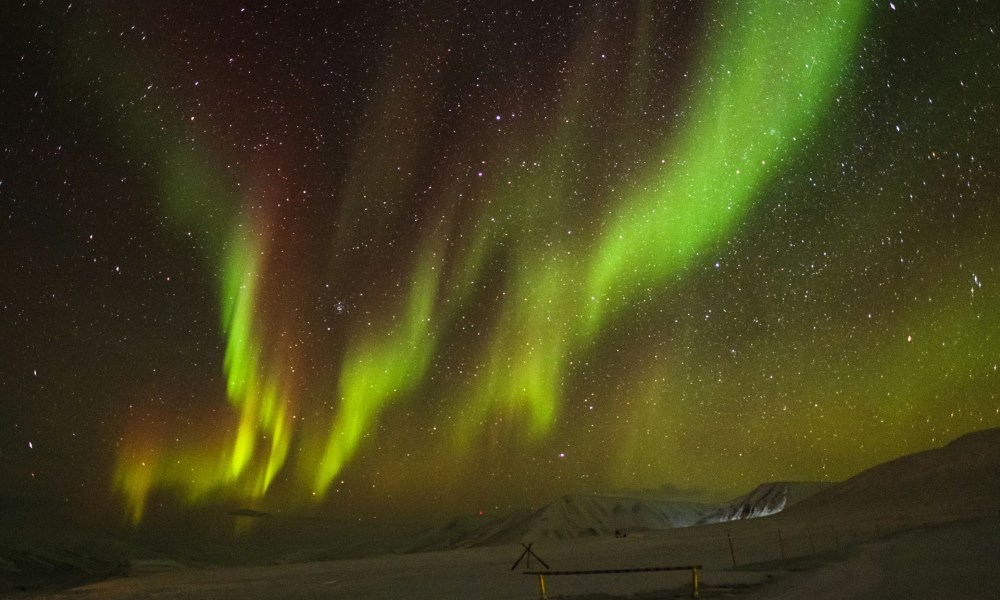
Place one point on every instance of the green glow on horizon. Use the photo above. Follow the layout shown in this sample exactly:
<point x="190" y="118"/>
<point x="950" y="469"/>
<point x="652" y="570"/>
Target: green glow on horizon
<point x="771" y="71"/>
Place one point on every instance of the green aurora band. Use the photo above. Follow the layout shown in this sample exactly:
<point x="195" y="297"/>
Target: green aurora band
<point x="769" y="82"/>
<point x="772" y="69"/>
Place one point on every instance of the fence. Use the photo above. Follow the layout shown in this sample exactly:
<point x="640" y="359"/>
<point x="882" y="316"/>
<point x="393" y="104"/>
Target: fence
<point x="775" y="540"/>
<point x="544" y="596"/>
<point x="770" y="539"/>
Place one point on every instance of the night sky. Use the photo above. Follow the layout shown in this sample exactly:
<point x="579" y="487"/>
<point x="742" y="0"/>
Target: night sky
<point x="384" y="258"/>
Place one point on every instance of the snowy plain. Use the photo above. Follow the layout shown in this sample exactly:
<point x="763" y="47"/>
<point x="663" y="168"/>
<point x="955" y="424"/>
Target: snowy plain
<point x="922" y="526"/>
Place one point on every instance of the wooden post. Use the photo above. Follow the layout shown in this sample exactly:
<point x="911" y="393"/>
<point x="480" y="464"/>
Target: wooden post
<point x="732" y="552"/>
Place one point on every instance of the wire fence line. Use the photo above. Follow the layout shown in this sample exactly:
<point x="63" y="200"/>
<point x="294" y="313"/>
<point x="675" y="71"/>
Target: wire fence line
<point x="736" y="544"/>
<point x="780" y="541"/>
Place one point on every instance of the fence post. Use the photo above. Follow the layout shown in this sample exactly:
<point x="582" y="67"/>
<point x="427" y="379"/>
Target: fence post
<point x="541" y="587"/>
<point x="694" y="581"/>
<point x="732" y="552"/>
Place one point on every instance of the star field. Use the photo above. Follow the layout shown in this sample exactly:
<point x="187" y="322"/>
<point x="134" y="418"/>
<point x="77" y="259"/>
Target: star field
<point x="410" y="258"/>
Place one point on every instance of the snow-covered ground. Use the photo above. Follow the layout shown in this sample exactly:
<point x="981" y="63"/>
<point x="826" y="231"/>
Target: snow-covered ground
<point x="945" y="561"/>
<point x="923" y="526"/>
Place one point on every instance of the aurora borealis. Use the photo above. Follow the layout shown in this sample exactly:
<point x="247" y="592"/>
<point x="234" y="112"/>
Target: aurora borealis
<point x="430" y="259"/>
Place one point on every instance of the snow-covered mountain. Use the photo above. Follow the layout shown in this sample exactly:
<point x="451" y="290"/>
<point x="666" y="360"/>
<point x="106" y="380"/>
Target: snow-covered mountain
<point x="766" y="499"/>
<point x="953" y="483"/>
<point x="580" y="516"/>
<point x="568" y="517"/>
<point x="962" y="476"/>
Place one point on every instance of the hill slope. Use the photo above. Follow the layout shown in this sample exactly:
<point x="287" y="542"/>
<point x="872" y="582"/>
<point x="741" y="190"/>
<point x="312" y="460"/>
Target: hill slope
<point x="961" y="478"/>
<point x="568" y="517"/>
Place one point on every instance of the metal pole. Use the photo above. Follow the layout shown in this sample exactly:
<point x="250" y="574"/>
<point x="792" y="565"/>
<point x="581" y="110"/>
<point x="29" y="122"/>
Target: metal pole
<point x="694" y="581"/>
<point x="541" y="587"/>
<point x="732" y="552"/>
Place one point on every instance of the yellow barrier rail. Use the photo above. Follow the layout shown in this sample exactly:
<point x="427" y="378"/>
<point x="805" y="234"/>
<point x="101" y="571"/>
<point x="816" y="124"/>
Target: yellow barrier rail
<point x="693" y="568"/>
